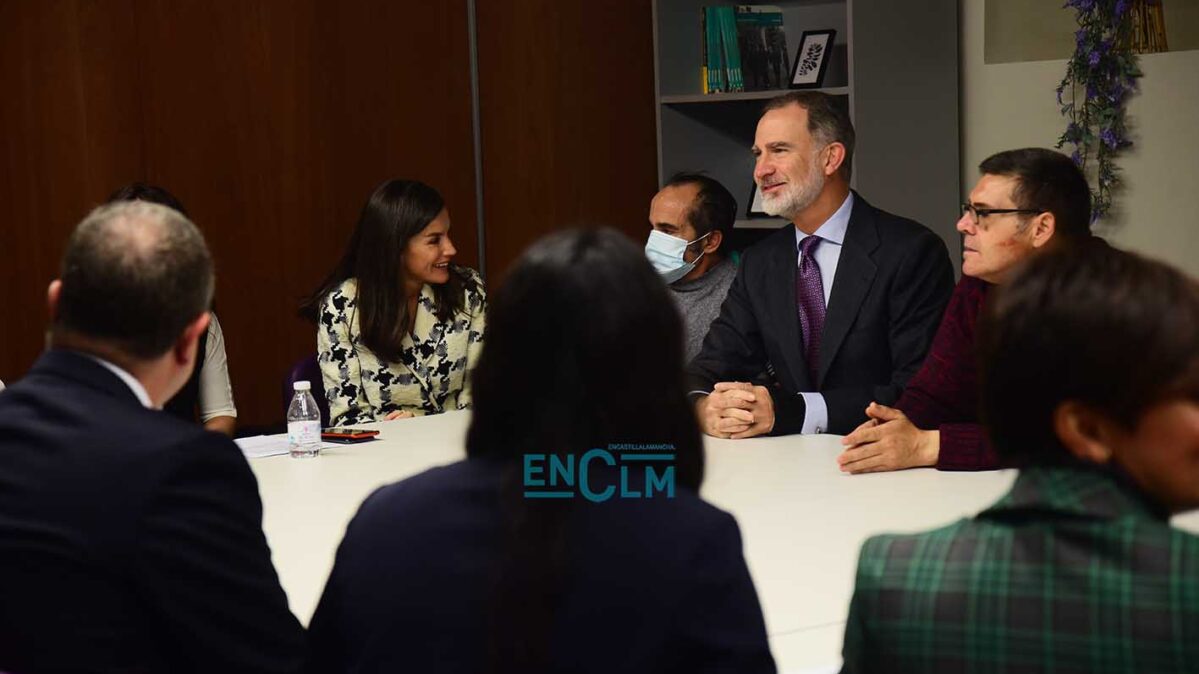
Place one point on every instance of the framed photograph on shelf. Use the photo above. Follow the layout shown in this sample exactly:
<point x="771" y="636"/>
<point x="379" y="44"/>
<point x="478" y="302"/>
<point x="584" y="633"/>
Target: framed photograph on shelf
<point x="812" y="58"/>
<point x="754" y="209"/>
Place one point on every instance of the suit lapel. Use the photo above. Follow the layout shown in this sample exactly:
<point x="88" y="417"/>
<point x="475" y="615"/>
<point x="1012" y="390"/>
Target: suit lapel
<point x="855" y="275"/>
<point x="784" y="265"/>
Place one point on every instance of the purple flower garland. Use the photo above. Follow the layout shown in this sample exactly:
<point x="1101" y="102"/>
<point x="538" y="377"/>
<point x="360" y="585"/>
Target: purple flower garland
<point x="1104" y="69"/>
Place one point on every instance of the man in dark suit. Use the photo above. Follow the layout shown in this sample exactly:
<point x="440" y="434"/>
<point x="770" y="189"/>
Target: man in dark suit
<point x="837" y="311"/>
<point x="130" y="541"/>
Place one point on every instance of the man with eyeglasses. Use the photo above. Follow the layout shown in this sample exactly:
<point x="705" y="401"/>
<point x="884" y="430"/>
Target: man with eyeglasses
<point x="1027" y="201"/>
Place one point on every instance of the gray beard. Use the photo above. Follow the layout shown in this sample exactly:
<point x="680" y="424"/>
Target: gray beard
<point x="796" y="197"/>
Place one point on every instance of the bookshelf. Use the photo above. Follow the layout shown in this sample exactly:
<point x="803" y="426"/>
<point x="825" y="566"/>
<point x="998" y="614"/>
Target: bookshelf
<point x="676" y="99"/>
<point x="895" y="67"/>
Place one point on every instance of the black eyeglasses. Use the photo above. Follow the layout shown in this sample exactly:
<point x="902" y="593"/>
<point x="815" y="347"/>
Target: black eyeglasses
<point x="977" y="214"/>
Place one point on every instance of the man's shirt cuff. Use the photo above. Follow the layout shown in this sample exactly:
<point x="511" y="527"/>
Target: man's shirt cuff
<point x="815" y="418"/>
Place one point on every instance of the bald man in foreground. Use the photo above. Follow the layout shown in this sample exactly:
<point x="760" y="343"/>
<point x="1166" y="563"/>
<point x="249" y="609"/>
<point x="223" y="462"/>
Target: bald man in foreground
<point x="130" y="541"/>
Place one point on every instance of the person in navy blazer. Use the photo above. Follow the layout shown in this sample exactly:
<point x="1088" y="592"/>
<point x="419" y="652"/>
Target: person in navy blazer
<point x="130" y="541"/>
<point x="465" y="569"/>
<point x="881" y="284"/>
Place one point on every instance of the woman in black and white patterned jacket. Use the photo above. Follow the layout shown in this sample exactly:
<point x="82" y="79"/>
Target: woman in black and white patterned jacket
<point x="400" y="326"/>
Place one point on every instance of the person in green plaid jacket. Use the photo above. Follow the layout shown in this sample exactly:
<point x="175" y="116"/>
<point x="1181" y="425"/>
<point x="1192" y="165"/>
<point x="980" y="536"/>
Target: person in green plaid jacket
<point x="1090" y="380"/>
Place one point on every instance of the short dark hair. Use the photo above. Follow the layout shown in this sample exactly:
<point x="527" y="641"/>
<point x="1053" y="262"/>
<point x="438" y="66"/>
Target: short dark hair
<point x="134" y="275"/>
<point x="1047" y="181"/>
<point x="1090" y="323"/>
<point x="714" y="208"/>
<point x="828" y="120"/>
<point x="154" y="194"/>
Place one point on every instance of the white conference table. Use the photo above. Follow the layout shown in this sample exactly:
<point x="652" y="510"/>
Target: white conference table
<point x="802" y="521"/>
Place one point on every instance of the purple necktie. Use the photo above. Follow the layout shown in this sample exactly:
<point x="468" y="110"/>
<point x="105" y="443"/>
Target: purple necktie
<point x="809" y="296"/>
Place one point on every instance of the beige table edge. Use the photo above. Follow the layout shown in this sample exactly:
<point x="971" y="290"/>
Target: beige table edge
<point x="801" y="520"/>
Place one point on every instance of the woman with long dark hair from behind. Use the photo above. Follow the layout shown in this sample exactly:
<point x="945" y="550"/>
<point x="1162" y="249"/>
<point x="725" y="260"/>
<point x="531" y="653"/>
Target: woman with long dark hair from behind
<point x="458" y="569"/>
<point x="399" y="325"/>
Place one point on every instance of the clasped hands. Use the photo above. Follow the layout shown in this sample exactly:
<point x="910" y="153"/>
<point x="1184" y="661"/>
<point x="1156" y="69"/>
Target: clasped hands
<point x="888" y="440"/>
<point x="736" y="410"/>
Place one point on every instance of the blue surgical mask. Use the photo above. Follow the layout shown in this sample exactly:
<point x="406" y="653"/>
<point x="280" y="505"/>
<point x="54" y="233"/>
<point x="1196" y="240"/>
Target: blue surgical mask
<point x="665" y="253"/>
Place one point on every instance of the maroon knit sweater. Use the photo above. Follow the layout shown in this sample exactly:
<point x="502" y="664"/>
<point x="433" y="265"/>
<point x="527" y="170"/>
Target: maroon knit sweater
<point x="944" y="393"/>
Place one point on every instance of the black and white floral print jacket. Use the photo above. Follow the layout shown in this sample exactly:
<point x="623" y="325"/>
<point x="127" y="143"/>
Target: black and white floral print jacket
<point x="432" y="375"/>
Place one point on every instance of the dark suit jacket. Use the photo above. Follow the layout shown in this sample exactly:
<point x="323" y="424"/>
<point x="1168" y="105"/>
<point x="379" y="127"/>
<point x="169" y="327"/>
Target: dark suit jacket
<point x="655" y="585"/>
<point x="130" y="541"/>
<point x="892" y="283"/>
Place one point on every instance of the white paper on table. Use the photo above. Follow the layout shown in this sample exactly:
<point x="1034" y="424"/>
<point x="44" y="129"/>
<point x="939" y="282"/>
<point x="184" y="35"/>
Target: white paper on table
<point x="260" y="446"/>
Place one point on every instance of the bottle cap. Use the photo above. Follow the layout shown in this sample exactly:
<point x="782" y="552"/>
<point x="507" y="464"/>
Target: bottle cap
<point x="302" y="385"/>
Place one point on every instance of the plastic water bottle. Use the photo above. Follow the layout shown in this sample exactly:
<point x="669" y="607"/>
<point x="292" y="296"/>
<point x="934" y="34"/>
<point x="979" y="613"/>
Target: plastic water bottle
<point x="303" y="423"/>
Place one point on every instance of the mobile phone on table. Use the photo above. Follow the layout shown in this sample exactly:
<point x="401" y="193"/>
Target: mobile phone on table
<point x="348" y="435"/>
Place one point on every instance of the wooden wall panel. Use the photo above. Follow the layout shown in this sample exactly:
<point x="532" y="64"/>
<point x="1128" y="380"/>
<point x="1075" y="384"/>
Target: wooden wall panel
<point x="288" y="117"/>
<point x="567" y="109"/>
<point x="271" y="120"/>
<point x="68" y="122"/>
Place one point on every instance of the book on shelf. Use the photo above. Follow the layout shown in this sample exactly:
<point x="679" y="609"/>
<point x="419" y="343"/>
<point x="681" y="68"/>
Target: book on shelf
<point x="714" y="52"/>
<point x="720" y="70"/>
<point x="705" y="79"/>
<point x="744" y="49"/>
<point x="763" y="44"/>
<point x="732" y="52"/>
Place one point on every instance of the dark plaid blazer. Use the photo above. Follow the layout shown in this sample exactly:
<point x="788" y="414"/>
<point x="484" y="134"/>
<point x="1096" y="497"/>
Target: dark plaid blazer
<point x="1071" y="571"/>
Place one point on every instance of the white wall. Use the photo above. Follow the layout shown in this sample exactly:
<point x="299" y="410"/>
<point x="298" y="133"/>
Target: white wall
<point x="1012" y="105"/>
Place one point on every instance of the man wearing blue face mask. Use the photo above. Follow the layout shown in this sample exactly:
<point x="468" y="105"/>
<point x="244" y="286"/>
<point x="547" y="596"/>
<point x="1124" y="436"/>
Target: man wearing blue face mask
<point x="689" y="220"/>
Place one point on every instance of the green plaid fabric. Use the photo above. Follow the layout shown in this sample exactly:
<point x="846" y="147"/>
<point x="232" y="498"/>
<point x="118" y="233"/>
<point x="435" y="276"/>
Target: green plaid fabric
<point x="1071" y="571"/>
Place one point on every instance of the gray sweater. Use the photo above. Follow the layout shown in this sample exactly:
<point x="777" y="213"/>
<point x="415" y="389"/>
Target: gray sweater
<point x="699" y="301"/>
